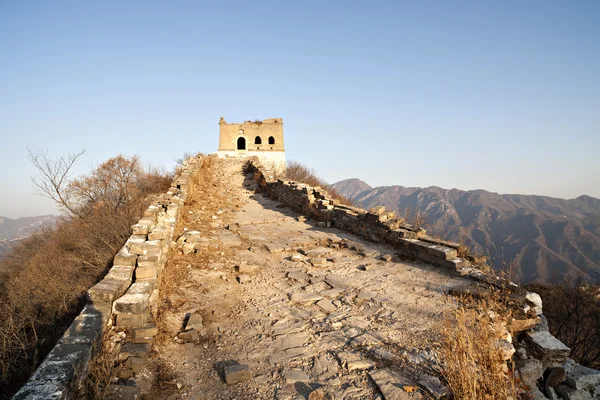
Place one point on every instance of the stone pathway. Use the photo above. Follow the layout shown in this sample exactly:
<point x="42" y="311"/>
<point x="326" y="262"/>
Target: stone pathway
<point x="278" y="308"/>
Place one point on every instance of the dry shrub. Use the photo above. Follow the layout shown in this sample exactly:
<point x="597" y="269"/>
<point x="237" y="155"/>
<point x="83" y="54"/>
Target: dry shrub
<point x="472" y="363"/>
<point x="298" y="172"/>
<point x="415" y="217"/>
<point x="572" y="308"/>
<point x="46" y="277"/>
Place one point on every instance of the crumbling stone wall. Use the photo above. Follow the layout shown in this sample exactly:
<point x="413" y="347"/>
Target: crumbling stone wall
<point x="541" y="359"/>
<point x="126" y="297"/>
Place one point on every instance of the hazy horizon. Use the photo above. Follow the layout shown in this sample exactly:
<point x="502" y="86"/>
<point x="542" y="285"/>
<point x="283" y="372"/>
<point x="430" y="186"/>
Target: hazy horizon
<point x="503" y="97"/>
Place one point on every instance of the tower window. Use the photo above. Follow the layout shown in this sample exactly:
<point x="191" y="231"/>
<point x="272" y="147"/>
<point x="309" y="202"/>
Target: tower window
<point x="241" y="143"/>
<point x="257" y="140"/>
<point x="271" y="140"/>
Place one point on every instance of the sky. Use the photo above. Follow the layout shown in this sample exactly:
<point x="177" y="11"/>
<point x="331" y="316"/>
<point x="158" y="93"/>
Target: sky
<point x="502" y="96"/>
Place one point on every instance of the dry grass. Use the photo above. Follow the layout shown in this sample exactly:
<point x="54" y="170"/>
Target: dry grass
<point x="298" y="172"/>
<point x="472" y="363"/>
<point x="100" y="371"/>
<point x="416" y="218"/>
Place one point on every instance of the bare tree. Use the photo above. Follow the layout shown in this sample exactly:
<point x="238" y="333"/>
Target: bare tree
<point x="53" y="181"/>
<point x="572" y="308"/>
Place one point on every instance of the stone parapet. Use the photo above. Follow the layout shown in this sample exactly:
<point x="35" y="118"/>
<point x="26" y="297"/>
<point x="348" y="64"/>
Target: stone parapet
<point x="126" y="297"/>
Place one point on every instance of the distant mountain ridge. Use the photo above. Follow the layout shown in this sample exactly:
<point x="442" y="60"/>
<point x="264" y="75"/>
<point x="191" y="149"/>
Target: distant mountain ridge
<point x="11" y="230"/>
<point x="22" y="227"/>
<point x="546" y="238"/>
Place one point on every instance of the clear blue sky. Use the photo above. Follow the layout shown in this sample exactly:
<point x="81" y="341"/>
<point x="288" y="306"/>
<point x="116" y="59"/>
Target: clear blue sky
<point x="502" y="96"/>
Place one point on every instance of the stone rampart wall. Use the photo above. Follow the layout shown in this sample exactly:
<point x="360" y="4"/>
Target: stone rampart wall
<point x="126" y="297"/>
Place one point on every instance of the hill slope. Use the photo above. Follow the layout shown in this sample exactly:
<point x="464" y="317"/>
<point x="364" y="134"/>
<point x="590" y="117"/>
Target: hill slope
<point x="544" y="237"/>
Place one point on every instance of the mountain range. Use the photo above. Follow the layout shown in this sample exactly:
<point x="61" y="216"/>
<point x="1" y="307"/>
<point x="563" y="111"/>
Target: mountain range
<point x="13" y="230"/>
<point x="534" y="238"/>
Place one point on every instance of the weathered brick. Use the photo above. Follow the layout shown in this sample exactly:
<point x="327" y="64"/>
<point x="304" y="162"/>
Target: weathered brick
<point x="146" y="272"/>
<point x="124" y="257"/>
<point x="121" y="272"/>
<point x="107" y="290"/>
<point x="445" y="253"/>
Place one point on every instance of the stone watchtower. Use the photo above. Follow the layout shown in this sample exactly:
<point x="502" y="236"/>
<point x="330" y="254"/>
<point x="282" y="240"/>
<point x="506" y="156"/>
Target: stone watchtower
<point x="263" y="139"/>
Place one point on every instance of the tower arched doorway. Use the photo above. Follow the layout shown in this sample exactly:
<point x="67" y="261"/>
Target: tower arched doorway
<point x="241" y="143"/>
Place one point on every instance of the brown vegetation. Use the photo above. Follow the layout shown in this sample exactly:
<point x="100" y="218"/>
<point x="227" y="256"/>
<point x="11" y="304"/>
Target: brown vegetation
<point x="300" y="173"/>
<point x="572" y="308"/>
<point x="46" y="277"/>
<point x="472" y="362"/>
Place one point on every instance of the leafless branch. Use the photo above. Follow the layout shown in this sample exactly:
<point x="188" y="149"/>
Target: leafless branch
<point x="52" y="181"/>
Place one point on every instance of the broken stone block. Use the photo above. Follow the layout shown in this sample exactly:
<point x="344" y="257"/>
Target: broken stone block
<point x="536" y="301"/>
<point x="136" y="245"/>
<point x="188" y="248"/>
<point x="248" y="269"/>
<point x="140" y="229"/>
<point x="506" y="348"/>
<point x="292" y="340"/>
<point x="160" y="233"/>
<point x="391" y="384"/>
<point x="142" y="273"/>
<point x="377" y="210"/>
<point x="295" y="375"/>
<point x="244" y="279"/>
<point x="237" y="373"/>
<point x="318" y="261"/>
<point x="332" y="292"/>
<point x="132" y="303"/>
<point x="332" y="340"/>
<point x="385" y="257"/>
<point x="120" y="272"/>
<point x="547" y="348"/>
<point x="316" y="394"/>
<point x="124" y="257"/>
<point x="145" y="332"/>
<point x="194" y="322"/>
<point x="531" y="370"/>
<point x="583" y="378"/>
<point x="519" y="325"/>
<point x="445" y="253"/>
<point x="568" y="393"/>
<point x="140" y="350"/>
<point x="536" y="394"/>
<point x="132" y="321"/>
<point x="300" y="297"/>
<point x="188" y="336"/>
<point x="326" y="305"/>
<point x="107" y="290"/>
<point x="338" y="282"/>
<point x="368" y="339"/>
<point x="354" y="362"/>
<point x="297" y="275"/>
<point x="149" y="260"/>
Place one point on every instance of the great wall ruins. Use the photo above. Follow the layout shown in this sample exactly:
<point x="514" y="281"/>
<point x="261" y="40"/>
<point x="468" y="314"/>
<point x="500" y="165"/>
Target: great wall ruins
<point x="237" y="285"/>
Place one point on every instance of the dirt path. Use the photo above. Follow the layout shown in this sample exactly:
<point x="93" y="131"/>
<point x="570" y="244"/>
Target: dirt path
<point x="302" y="307"/>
